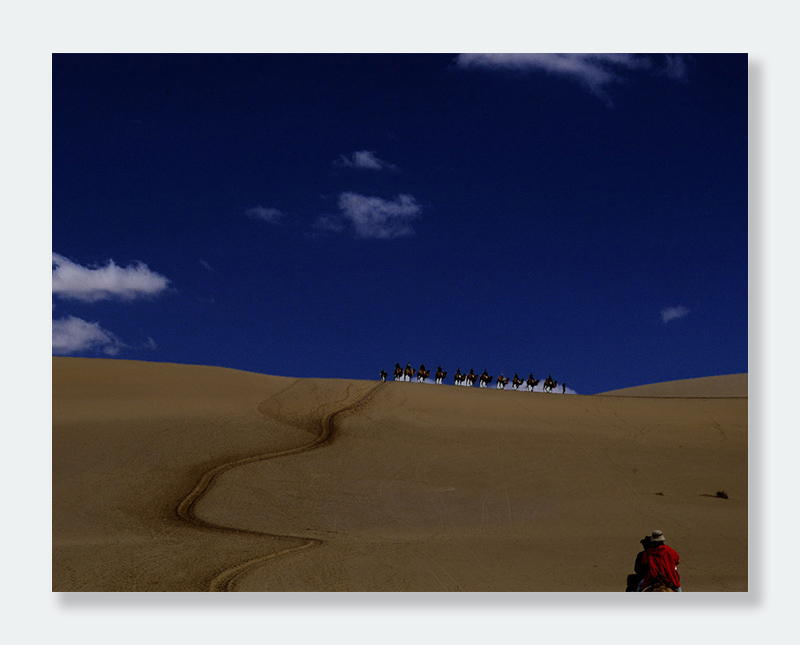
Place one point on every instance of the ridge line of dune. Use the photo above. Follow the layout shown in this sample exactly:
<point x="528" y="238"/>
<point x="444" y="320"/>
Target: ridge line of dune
<point x="185" y="510"/>
<point x="698" y="398"/>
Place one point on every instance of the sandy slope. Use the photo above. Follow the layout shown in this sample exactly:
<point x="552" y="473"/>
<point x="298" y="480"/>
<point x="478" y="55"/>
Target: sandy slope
<point x="170" y="477"/>
<point x="731" y="385"/>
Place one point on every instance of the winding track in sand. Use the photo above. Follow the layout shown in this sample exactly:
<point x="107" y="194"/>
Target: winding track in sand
<point x="424" y="489"/>
<point x="225" y="580"/>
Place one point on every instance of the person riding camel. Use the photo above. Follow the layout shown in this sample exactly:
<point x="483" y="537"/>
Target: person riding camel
<point x="659" y="564"/>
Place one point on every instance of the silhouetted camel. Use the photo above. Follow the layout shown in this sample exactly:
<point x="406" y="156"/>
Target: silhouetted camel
<point x="549" y="384"/>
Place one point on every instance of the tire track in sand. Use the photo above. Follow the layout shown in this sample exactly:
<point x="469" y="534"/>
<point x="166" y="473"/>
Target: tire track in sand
<point x="224" y="581"/>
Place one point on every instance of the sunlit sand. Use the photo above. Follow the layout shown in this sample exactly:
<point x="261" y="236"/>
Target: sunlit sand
<point x="185" y="478"/>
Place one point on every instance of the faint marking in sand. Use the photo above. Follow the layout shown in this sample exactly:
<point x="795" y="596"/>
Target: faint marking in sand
<point x="718" y="427"/>
<point x="436" y="563"/>
<point x="225" y="580"/>
<point x="502" y="485"/>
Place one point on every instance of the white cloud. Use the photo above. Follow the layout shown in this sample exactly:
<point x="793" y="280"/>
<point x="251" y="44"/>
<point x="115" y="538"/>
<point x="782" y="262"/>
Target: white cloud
<point x="373" y="217"/>
<point x="675" y="67"/>
<point x="673" y="313"/>
<point x="76" y="282"/>
<point x="271" y="215"/>
<point x="72" y="335"/>
<point x="328" y="224"/>
<point x="364" y="159"/>
<point x="595" y="71"/>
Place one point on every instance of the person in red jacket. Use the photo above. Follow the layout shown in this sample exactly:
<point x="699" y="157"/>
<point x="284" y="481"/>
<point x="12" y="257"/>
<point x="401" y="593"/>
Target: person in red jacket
<point x="660" y="563"/>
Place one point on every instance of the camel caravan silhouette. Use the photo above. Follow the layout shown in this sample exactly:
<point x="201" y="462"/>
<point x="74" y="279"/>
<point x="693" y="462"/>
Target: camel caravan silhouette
<point x="469" y="379"/>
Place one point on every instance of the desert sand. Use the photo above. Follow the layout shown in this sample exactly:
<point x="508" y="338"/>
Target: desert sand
<point x="186" y="478"/>
<point x="727" y="386"/>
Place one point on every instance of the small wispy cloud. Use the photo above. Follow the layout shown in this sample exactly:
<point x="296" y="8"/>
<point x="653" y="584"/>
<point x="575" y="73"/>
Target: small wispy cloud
<point x="328" y="224"/>
<point x="675" y="67"/>
<point x="73" y="335"/>
<point x="596" y="72"/>
<point x="673" y="313"/>
<point x="91" y="284"/>
<point x="373" y="217"/>
<point x="265" y="214"/>
<point x="365" y="160"/>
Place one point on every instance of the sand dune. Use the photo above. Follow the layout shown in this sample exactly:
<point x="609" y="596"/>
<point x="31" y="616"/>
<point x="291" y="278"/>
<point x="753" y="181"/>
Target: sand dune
<point x="175" y="477"/>
<point x="728" y="386"/>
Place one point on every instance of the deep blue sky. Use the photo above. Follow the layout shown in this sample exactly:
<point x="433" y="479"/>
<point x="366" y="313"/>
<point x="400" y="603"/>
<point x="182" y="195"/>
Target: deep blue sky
<point x="544" y="213"/>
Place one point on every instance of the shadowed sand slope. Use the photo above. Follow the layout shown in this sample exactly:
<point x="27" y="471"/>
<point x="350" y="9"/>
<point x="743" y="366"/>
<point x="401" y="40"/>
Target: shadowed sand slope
<point x="178" y="477"/>
<point x="732" y="385"/>
<point x="131" y="441"/>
